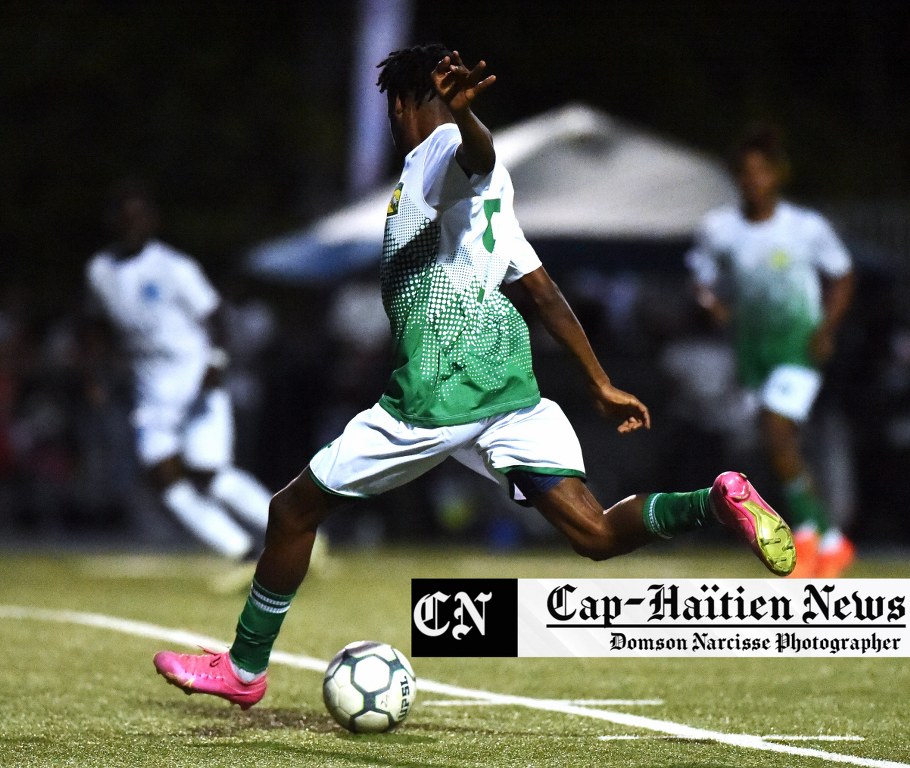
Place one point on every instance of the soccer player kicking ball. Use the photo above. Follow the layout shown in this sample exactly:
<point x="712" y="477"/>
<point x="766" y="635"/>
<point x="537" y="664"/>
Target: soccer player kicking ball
<point x="462" y="383"/>
<point x="791" y="282"/>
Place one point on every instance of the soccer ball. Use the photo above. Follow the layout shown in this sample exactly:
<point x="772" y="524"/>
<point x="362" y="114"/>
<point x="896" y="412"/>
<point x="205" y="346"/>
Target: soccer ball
<point x="369" y="687"/>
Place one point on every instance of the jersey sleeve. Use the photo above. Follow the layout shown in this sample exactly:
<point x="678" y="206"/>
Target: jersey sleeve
<point x="831" y="256"/>
<point x="523" y="259"/>
<point x="701" y="259"/>
<point x="444" y="180"/>
<point x="196" y="292"/>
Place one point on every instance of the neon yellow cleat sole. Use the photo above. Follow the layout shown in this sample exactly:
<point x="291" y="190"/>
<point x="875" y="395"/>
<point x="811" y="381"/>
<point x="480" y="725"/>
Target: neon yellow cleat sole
<point x="739" y="506"/>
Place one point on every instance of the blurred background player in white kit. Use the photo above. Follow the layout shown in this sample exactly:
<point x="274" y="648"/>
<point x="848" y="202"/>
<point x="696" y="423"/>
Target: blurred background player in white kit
<point x="166" y="313"/>
<point x="784" y="280"/>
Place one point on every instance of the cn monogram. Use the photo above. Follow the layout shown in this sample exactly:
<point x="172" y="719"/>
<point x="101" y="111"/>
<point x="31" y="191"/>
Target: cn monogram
<point x="464" y="617"/>
<point x="429" y="614"/>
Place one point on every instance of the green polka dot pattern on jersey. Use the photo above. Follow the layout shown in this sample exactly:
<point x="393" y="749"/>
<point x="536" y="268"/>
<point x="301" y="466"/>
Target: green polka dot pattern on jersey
<point x="461" y="350"/>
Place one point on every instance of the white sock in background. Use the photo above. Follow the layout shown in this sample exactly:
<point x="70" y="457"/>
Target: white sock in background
<point x="831" y="539"/>
<point x="206" y="520"/>
<point x="243" y="493"/>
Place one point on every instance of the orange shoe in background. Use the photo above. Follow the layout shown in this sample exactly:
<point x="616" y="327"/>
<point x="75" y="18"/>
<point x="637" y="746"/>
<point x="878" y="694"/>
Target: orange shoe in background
<point x="834" y="560"/>
<point x="806" y="542"/>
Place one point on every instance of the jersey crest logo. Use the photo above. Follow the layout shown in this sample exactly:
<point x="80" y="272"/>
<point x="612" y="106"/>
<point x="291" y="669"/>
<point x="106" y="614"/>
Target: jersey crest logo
<point x="396" y="199"/>
<point x="150" y="291"/>
<point x="779" y="259"/>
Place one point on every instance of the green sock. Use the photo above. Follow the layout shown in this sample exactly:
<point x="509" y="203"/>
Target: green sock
<point x="667" y="514"/>
<point x="806" y="508"/>
<point x="258" y="627"/>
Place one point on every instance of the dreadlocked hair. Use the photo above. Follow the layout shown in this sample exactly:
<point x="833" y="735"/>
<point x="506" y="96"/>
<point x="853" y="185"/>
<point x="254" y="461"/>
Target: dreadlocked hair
<point x="408" y="72"/>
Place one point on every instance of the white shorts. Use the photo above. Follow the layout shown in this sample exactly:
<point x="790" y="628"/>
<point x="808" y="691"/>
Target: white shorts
<point x="790" y="391"/>
<point x="376" y="452"/>
<point x="200" y="431"/>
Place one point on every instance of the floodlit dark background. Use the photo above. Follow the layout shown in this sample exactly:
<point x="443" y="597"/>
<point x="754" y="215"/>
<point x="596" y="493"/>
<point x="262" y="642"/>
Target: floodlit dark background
<point x="243" y="116"/>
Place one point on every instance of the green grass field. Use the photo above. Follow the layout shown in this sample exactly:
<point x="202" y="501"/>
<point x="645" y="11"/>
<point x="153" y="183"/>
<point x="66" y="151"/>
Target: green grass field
<point x="80" y="695"/>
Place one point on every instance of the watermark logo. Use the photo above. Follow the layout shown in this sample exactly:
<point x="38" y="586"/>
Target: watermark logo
<point x="464" y="617"/>
<point x="577" y="618"/>
<point x="429" y="610"/>
<point x="723" y="617"/>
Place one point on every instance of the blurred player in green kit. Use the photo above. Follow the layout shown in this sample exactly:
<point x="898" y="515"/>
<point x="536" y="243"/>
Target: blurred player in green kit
<point x="781" y="276"/>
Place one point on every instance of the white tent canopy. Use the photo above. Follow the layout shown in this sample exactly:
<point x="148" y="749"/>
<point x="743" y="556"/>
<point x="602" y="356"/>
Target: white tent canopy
<point x="578" y="174"/>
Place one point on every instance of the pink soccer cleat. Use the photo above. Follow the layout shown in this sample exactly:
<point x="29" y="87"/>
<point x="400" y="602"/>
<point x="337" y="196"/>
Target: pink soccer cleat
<point x="208" y="672"/>
<point x="738" y="506"/>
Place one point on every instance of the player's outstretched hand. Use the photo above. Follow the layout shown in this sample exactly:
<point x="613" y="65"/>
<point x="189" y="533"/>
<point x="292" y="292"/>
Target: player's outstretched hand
<point x="613" y="403"/>
<point x="457" y="85"/>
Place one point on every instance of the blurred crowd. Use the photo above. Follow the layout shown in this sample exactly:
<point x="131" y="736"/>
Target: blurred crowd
<point x="305" y="360"/>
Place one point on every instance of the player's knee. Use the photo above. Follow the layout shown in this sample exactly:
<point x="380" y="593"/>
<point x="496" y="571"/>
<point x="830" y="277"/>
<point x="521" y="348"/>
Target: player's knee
<point x="598" y="545"/>
<point x="591" y="551"/>
<point x="166" y="472"/>
<point x="290" y="513"/>
<point x="300" y="507"/>
<point x="596" y="551"/>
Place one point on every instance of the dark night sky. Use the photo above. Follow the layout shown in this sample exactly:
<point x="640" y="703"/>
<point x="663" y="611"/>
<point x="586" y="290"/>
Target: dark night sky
<point x="240" y="117"/>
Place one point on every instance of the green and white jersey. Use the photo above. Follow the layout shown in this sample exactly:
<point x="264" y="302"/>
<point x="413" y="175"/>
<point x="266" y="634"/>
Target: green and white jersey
<point x="461" y="350"/>
<point x="770" y="271"/>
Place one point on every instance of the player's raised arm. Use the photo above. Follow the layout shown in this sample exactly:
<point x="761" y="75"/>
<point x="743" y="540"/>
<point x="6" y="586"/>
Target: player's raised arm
<point x="706" y="298"/>
<point x="458" y="86"/>
<point x="562" y="324"/>
<point x="838" y="295"/>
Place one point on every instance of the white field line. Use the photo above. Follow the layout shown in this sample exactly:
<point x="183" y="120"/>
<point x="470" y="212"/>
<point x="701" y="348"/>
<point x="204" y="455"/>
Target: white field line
<point x="618" y="702"/>
<point x="797" y="737"/>
<point x="630" y="737"/>
<point x="583" y="702"/>
<point x="668" y="727"/>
